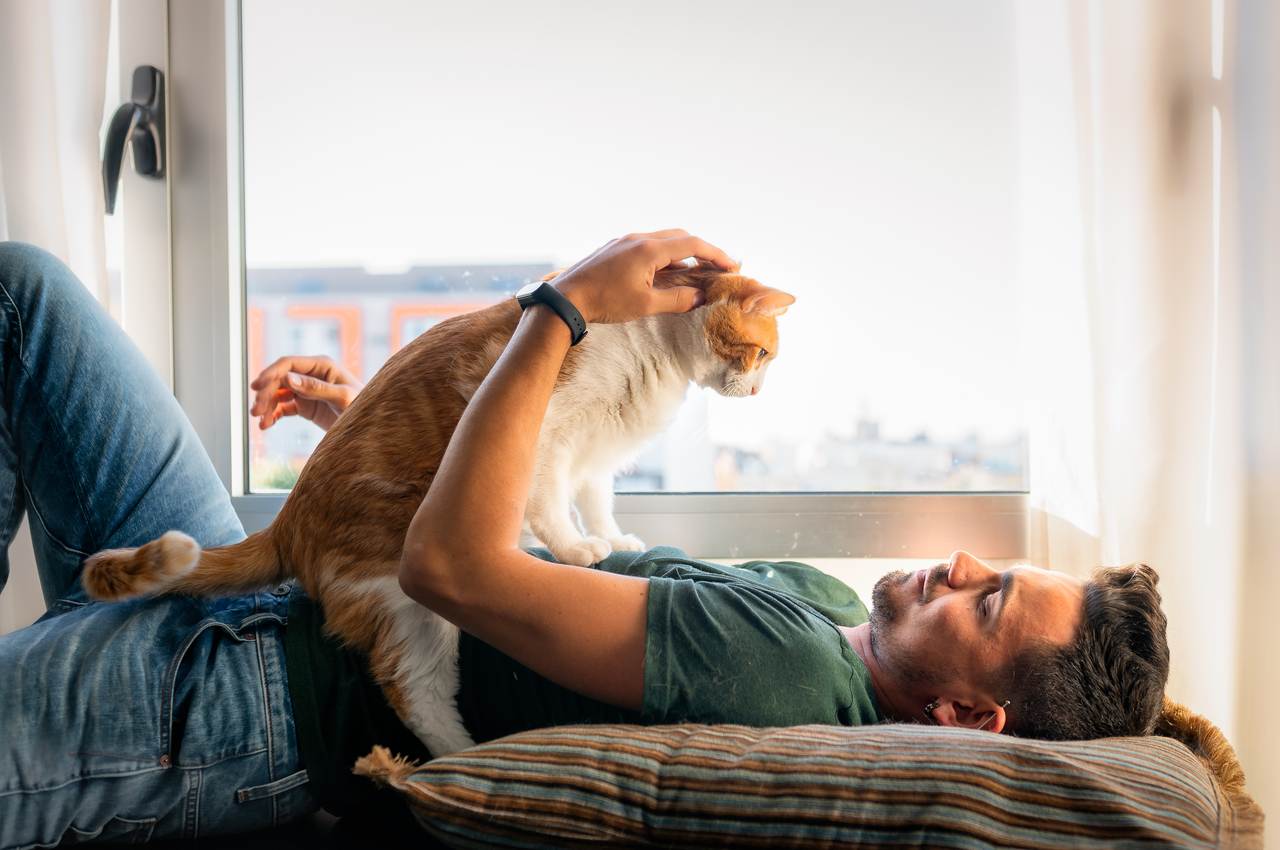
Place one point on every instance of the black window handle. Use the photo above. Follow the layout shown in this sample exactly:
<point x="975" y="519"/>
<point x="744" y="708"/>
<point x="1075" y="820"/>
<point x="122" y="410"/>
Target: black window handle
<point x="141" y="123"/>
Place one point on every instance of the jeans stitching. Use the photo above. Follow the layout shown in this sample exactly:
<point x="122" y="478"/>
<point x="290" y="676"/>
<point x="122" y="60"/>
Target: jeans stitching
<point x="274" y="789"/>
<point x="34" y="509"/>
<point x="119" y="774"/>
<point x="77" y="486"/>
<point x="268" y="723"/>
<point x="17" y="320"/>
<point x="127" y="757"/>
<point x="143" y="829"/>
<point x="70" y="604"/>
<point x="126" y="773"/>
<point x="191" y="829"/>
<point x="11" y="514"/>
<point x="17" y="315"/>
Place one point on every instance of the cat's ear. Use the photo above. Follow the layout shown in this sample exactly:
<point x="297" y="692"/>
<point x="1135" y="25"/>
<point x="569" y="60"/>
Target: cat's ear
<point x="767" y="302"/>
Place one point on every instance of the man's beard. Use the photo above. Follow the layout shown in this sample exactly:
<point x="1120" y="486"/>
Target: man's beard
<point x="885" y="624"/>
<point x="884" y="608"/>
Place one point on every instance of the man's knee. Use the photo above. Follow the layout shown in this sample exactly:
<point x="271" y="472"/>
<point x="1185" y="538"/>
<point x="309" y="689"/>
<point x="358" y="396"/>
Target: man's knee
<point x="33" y="281"/>
<point x="20" y="261"/>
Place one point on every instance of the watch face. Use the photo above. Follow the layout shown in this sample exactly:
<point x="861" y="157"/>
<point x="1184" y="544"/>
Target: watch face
<point x="528" y="289"/>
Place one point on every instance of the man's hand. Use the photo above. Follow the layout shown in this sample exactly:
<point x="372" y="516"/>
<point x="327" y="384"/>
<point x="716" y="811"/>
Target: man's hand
<point x="615" y="284"/>
<point x="314" y="388"/>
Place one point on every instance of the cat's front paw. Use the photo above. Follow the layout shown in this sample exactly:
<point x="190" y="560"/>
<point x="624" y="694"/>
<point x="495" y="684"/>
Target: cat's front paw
<point x="582" y="553"/>
<point x="627" y="543"/>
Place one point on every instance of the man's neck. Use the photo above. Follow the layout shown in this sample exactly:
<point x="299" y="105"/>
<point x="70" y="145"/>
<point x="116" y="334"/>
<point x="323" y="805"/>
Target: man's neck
<point x="894" y="703"/>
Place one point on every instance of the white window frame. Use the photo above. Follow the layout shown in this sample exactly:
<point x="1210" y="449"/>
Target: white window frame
<point x="207" y="252"/>
<point x="145" y="306"/>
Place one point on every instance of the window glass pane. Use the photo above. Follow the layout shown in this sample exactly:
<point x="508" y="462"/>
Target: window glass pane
<point x="407" y="161"/>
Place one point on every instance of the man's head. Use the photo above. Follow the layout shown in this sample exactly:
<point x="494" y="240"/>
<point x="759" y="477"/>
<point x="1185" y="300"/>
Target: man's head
<point x="1073" y="659"/>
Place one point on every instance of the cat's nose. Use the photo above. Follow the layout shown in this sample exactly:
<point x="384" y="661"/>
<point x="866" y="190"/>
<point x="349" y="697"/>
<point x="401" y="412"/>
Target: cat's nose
<point x="755" y="390"/>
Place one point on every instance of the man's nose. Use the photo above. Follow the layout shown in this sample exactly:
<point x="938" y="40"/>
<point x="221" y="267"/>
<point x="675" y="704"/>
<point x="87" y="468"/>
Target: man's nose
<point x="965" y="569"/>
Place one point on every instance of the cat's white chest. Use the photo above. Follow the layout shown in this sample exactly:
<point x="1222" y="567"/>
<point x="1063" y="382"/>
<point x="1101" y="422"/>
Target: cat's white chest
<point x="616" y="393"/>
<point x="614" y="405"/>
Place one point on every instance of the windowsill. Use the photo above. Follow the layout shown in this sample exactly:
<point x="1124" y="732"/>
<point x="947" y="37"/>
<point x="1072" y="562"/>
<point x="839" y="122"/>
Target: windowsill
<point x="803" y="526"/>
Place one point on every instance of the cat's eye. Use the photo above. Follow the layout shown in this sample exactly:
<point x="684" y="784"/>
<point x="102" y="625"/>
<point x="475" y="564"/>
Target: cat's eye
<point x="762" y="354"/>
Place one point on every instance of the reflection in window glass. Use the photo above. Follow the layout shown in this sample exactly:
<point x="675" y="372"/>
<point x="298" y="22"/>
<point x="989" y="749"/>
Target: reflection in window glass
<point x="405" y="162"/>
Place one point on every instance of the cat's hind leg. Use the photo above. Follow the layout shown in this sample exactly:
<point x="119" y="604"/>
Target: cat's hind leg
<point x="595" y="504"/>
<point x="415" y="659"/>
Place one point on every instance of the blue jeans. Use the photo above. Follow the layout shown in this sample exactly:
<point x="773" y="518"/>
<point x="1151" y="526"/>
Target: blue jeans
<point x="149" y="719"/>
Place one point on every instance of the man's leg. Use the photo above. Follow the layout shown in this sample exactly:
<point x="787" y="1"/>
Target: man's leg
<point x="91" y="442"/>
<point x="164" y="717"/>
<point x="156" y="718"/>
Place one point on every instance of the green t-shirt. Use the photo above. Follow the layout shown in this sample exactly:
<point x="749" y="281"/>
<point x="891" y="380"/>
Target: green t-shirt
<point x="755" y="644"/>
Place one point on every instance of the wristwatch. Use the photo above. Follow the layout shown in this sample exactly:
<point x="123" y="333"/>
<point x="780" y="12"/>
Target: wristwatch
<point x="542" y="292"/>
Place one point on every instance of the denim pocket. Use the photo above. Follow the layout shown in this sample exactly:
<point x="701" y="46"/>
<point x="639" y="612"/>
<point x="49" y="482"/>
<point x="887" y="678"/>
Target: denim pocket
<point x="271" y="789"/>
<point x="118" y="830"/>
<point x="213" y="704"/>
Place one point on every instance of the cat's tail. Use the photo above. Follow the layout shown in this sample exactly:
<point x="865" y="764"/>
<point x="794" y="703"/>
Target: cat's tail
<point x="174" y="563"/>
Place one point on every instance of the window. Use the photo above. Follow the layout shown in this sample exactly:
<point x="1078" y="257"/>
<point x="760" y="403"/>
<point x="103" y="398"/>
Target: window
<point x="414" y="161"/>
<point x="352" y="178"/>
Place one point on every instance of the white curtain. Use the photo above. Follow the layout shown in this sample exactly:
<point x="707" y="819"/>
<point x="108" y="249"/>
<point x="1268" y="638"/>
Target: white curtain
<point x="53" y="73"/>
<point x="1137" y="303"/>
<point x="1257" y="141"/>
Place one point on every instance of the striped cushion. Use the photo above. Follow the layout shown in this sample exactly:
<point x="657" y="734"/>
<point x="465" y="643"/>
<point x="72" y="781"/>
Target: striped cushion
<point x="816" y="787"/>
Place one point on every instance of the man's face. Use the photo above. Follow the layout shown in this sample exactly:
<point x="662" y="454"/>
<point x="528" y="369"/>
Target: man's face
<point x="953" y="626"/>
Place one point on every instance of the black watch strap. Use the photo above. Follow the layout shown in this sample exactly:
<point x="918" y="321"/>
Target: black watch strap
<point x="545" y="293"/>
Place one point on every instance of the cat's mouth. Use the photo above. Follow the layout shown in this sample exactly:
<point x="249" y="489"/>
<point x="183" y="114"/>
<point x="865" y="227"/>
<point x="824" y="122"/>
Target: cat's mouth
<point x="738" y="386"/>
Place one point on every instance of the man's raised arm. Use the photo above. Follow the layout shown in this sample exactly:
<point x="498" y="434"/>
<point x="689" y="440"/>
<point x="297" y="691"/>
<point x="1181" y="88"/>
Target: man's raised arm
<point x="581" y="628"/>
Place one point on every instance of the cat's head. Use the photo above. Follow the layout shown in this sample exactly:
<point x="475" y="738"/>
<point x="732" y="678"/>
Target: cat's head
<point x="740" y="325"/>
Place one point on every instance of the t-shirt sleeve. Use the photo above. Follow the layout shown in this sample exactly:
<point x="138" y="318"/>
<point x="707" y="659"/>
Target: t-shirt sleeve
<point x="727" y="650"/>
<point x="831" y="597"/>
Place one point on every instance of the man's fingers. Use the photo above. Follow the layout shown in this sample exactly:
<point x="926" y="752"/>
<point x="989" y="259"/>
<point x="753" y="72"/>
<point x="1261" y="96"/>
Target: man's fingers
<point x="309" y="387"/>
<point x="306" y="386"/>
<point x="272" y="380"/>
<point x="302" y="386"/>
<point x="282" y="366"/>
<point x="677" y="248"/>
<point x="286" y="408"/>
<point x="263" y="401"/>
<point x="678" y="299"/>
<point x="267" y="398"/>
<point x="321" y="367"/>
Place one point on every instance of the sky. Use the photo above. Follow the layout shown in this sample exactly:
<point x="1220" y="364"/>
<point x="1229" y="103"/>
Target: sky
<point x="862" y="156"/>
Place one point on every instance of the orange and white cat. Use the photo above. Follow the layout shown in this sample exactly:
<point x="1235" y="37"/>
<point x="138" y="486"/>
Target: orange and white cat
<point x="341" y="530"/>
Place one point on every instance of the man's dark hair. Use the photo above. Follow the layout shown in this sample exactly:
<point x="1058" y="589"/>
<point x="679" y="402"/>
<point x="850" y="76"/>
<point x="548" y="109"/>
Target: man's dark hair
<point x="1109" y="680"/>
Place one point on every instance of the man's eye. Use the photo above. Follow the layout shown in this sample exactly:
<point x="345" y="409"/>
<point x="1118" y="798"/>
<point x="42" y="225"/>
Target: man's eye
<point x="985" y="605"/>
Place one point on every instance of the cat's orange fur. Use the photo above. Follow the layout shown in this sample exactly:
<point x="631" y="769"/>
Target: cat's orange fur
<point x="344" y="522"/>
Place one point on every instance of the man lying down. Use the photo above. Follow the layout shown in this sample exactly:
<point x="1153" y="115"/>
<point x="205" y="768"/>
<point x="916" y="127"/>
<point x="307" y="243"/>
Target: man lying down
<point x="180" y="716"/>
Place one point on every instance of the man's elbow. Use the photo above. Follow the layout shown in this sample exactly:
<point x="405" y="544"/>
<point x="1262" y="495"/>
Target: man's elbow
<point x="426" y="576"/>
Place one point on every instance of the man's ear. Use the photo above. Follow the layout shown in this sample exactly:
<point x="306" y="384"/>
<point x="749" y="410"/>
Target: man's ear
<point x="971" y="714"/>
